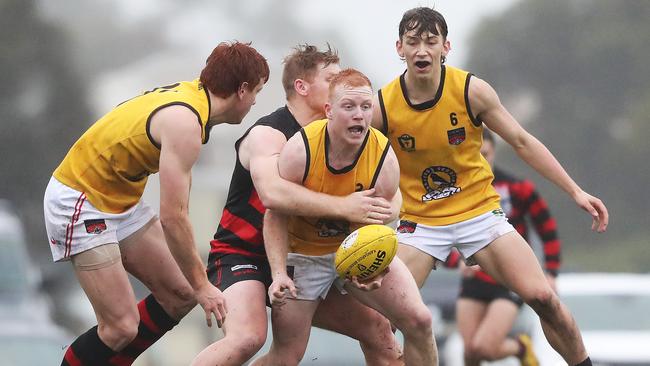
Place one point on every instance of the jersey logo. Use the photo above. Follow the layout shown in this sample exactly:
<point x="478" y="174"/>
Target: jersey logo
<point x="437" y="186"/>
<point x="456" y="136"/>
<point x="329" y="228"/>
<point x="406" y="142"/>
<point x="406" y="227"/>
<point x="95" y="226"/>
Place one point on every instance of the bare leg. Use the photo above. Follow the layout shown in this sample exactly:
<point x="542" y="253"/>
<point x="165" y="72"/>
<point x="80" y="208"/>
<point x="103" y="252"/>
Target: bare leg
<point x="345" y="315"/>
<point x="113" y="301"/>
<point x="146" y="256"/>
<point x="399" y="300"/>
<point x="245" y="327"/>
<point x="419" y="263"/>
<point x="291" y="325"/>
<point x="489" y="341"/>
<point x="511" y="261"/>
<point x="469" y="314"/>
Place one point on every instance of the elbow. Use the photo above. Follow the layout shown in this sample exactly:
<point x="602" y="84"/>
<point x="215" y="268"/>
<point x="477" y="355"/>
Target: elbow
<point x="170" y="220"/>
<point x="268" y="199"/>
<point x="271" y="196"/>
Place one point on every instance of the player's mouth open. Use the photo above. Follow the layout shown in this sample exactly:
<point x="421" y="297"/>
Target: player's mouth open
<point x="356" y="130"/>
<point x="421" y="65"/>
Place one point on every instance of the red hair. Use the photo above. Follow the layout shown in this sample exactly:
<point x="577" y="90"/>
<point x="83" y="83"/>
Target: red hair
<point x="232" y="64"/>
<point x="350" y="78"/>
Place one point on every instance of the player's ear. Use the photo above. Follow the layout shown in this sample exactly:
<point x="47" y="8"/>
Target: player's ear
<point x="242" y="89"/>
<point x="398" y="47"/>
<point x="328" y="110"/>
<point x="301" y="87"/>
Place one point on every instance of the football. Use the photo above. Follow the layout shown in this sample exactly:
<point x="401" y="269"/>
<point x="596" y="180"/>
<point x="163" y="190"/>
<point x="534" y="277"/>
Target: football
<point x="366" y="252"/>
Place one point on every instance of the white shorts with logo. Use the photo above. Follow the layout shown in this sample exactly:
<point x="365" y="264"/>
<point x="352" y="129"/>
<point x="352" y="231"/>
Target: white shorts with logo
<point x="313" y="276"/>
<point x="467" y="236"/>
<point x="74" y="225"/>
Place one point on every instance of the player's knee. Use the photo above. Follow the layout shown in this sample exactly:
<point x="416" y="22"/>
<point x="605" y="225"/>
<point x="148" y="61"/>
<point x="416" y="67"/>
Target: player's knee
<point x="181" y="301"/>
<point x="247" y="345"/>
<point x="418" y="324"/>
<point x="483" y="351"/>
<point x="120" y="332"/>
<point x="543" y="300"/>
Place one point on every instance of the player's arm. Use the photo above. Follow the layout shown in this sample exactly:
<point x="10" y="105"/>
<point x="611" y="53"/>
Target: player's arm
<point x="260" y="152"/>
<point x="291" y="167"/>
<point x="177" y="130"/>
<point x="487" y="107"/>
<point x="387" y="185"/>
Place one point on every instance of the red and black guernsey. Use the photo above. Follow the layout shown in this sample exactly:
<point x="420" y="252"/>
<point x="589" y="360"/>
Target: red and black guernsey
<point x="518" y="199"/>
<point x="240" y="228"/>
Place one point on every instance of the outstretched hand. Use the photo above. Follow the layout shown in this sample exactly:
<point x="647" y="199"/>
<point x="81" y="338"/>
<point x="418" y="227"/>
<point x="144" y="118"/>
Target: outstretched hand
<point x="371" y="284"/>
<point x="361" y="207"/>
<point x="596" y="208"/>
<point x="213" y="302"/>
<point x="279" y="288"/>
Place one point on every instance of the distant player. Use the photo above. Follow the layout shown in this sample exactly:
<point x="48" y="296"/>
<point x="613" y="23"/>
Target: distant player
<point x="337" y="156"/>
<point x="433" y="115"/>
<point x="95" y="216"/>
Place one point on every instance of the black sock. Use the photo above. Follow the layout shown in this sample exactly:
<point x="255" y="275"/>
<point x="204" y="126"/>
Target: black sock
<point x="88" y="350"/>
<point x="154" y="323"/>
<point x="586" y="362"/>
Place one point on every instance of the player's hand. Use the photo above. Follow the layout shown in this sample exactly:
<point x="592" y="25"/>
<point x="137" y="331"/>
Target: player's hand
<point x="371" y="284"/>
<point x="279" y="288"/>
<point x="213" y="302"/>
<point x="363" y="208"/>
<point x="596" y="208"/>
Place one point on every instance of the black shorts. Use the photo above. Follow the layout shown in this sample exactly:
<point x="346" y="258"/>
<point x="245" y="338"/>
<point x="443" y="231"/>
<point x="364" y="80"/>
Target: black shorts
<point x="475" y="289"/>
<point x="224" y="270"/>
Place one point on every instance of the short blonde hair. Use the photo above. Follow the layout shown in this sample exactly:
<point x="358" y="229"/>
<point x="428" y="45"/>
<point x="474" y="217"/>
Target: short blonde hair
<point x="348" y="77"/>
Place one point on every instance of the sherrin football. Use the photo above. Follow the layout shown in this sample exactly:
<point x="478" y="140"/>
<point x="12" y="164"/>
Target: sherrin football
<point x="366" y="252"/>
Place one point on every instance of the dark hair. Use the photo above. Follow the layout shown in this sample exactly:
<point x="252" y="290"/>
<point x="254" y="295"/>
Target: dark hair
<point x="350" y="77"/>
<point x="422" y="20"/>
<point x="302" y="64"/>
<point x="488" y="135"/>
<point x="232" y="64"/>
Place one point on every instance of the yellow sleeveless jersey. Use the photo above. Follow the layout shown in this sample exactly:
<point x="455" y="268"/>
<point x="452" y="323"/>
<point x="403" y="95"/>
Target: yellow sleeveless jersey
<point x="444" y="179"/>
<point x="319" y="236"/>
<point x="111" y="161"/>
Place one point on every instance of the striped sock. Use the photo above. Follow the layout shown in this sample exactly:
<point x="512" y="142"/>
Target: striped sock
<point x="154" y="323"/>
<point x="88" y="350"/>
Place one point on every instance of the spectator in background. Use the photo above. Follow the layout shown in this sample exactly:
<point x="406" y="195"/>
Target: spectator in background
<point x="486" y="310"/>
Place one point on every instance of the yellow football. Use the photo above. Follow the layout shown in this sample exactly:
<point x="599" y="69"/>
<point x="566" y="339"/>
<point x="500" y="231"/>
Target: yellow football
<point x="366" y="252"/>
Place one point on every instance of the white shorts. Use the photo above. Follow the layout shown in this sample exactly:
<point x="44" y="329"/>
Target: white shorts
<point x="468" y="236"/>
<point x="74" y="225"/>
<point x="313" y="276"/>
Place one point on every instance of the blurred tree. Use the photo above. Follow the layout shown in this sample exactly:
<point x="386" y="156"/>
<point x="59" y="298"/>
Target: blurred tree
<point x="42" y="107"/>
<point x="584" y="62"/>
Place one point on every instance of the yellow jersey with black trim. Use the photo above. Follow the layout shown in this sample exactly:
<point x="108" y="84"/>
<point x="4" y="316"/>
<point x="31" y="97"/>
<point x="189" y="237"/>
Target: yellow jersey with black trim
<point x="444" y="179"/>
<point x="319" y="236"/>
<point x="112" y="160"/>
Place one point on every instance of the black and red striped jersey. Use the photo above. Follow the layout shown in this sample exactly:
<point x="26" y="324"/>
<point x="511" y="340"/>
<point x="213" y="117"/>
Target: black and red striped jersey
<point x="519" y="199"/>
<point x="240" y="228"/>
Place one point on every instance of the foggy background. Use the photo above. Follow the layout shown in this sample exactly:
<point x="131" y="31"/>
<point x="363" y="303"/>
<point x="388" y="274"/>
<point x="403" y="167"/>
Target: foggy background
<point x="574" y="73"/>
